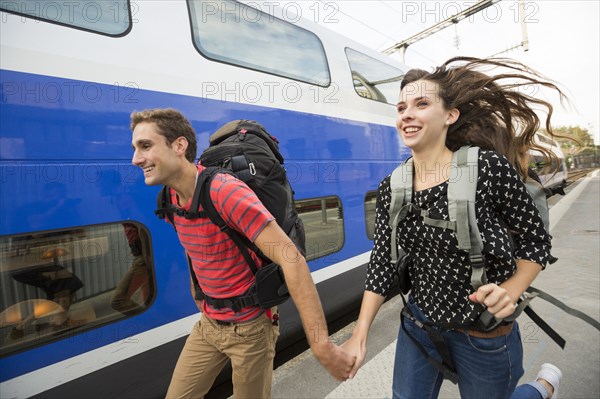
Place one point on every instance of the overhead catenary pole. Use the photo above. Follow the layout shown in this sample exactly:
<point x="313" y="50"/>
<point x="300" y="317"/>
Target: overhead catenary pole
<point x="524" y="37"/>
<point x="401" y="46"/>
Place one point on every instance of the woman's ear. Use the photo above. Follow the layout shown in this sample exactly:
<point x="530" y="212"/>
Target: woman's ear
<point x="453" y="115"/>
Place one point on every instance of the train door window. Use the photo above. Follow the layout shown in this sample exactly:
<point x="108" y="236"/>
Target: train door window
<point x="58" y="283"/>
<point x="111" y="18"/>
<point x="323" y="220"/>
<point x="373" y="79"/>
<point x="370" y="201"/>
<point x="235" y="33"/>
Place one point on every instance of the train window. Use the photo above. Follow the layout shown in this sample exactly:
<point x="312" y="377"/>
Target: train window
<point x="58" y="283"/>
<point x="323" y="220"/>
<point x="235" y="33"/>
<point x="370" y="201"/>
<point x="112" y="18"/>
<point x="373" y="79"/>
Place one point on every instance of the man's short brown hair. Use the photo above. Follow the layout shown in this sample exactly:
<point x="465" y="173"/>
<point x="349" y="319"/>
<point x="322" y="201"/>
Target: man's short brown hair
<point x="171" y="124"/>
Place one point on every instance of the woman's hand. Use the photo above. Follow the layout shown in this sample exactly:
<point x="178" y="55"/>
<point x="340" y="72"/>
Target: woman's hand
<point x="496" y="299"/>
<point x="357" y="348"/>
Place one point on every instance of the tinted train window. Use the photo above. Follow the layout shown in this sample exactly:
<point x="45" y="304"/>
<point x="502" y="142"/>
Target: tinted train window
<point x="370" y="201"/>
<point x="323" y="220"/>
<point x="108" y="17"/>
<point x="55" y="284"/>
<point x="238" y="34"/>
<point x="374" y="79"/>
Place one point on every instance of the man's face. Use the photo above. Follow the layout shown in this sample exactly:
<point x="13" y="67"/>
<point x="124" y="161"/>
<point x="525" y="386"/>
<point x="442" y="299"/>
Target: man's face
<point x="151" y="152"/>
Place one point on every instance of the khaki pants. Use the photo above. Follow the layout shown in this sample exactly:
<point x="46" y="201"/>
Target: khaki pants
<point x="250" y="346"/>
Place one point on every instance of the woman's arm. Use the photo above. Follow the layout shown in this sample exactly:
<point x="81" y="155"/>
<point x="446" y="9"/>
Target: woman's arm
<point x="517" y="209"/>
<point x="500" y="300"/>
<point x="378" y="280"/>
<point x="356" y="346"/>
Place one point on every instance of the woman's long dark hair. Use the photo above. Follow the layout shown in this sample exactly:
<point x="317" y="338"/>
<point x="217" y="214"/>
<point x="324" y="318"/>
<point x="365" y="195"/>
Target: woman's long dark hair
<point x="496" y="113"/>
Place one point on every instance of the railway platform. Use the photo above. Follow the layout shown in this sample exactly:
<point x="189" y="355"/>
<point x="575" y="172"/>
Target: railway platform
<point x="574" y="279"/>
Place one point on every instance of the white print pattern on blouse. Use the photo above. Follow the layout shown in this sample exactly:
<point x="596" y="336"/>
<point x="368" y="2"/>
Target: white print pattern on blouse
<point x="440" y="273"/>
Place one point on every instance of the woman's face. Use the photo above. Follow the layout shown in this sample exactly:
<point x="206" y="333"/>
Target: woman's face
<point x="422" y="118"/>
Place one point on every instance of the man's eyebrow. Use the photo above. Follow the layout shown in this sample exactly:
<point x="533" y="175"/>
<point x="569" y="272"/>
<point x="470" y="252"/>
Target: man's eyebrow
<point x="140" y="142"/>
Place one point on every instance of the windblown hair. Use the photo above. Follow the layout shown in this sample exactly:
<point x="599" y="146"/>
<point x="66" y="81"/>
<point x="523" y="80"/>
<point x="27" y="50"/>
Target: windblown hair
<point x="496" y="113"/>
<point x="171" y="124"/>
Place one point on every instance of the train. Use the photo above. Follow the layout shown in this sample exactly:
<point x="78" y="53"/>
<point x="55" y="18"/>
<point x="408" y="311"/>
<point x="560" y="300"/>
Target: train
<point x="94" y="298"/>
<point x="553" y="174"/>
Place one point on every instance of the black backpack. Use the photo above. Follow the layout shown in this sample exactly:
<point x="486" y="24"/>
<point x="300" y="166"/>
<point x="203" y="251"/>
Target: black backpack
<point x="244" y="149"/>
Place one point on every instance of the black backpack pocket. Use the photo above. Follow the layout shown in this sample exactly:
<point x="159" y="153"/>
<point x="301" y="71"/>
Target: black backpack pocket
<point x="270" y="286"/>
<point x="403" y="276"/>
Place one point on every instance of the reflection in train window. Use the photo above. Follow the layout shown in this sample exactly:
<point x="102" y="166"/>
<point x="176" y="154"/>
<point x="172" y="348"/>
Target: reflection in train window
<point x="323" y="220"/>
<point x="112" y="18"/>
<point x="235" y="33"/>
<point x="374" y="79"/>
<point x="58" y="283"/>
<point x="370" y="201"/>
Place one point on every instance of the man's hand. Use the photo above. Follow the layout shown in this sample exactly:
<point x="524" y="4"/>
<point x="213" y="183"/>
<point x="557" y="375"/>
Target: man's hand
<point x="356" y="347"/>
<point x="337" y="362"/>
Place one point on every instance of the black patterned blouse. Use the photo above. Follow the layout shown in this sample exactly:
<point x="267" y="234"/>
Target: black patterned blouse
<point x="440" y="275"/>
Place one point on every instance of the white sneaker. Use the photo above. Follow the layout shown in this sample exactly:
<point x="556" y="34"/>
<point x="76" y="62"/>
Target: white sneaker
<point x="552" y="374"/>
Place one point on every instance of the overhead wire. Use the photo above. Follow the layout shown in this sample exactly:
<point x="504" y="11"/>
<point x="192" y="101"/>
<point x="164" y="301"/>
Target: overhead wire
<point x="377" y="31"/>
<point x="436" y="37"/>
<point x="360" y="22"/>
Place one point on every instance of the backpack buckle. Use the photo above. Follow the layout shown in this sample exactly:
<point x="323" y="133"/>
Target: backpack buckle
<point x="477" y="260"/>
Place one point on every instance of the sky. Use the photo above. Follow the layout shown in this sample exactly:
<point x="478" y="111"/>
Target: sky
<point x="563" y="39"/>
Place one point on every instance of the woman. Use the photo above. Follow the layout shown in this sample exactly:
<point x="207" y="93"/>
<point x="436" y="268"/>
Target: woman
<point x="437" y="113"/>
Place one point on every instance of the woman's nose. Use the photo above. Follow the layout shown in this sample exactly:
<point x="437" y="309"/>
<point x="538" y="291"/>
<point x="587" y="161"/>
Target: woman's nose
<point x="407" y="114"/>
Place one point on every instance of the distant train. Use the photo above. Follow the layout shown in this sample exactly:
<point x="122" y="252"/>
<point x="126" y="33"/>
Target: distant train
<point x="92" y="303"/>
<point x="555" y="173"/>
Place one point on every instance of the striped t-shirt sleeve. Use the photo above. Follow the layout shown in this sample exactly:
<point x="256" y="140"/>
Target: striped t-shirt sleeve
<point x="239" y="206"/>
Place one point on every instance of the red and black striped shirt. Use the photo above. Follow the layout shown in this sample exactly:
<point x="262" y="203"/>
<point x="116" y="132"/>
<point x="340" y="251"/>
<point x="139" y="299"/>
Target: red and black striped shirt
<point x="218" y="263"/>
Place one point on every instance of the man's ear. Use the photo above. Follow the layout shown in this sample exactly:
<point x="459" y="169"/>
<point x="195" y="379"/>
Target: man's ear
<point x="180" y="145"/>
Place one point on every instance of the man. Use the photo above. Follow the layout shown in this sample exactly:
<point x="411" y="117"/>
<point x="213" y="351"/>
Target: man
<point x="164" y="145"/>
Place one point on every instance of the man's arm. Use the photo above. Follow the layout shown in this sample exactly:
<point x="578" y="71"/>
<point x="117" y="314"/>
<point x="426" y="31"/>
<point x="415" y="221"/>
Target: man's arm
<point x="275" y="244"/>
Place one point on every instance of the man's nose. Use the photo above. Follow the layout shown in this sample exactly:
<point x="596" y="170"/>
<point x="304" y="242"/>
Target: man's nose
<point x="136" y="159"/>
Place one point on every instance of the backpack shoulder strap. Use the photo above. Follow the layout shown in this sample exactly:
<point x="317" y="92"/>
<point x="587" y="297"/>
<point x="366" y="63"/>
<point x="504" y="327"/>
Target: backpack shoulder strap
<point x="401" y="184"/>
<point x="539" y="195"/>
<point x="164" y="207"/>
<point x="462" y="190"/>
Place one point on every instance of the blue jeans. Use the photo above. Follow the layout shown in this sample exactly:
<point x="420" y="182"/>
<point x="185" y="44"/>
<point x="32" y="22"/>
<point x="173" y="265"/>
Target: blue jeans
<point x="487" y="367"/>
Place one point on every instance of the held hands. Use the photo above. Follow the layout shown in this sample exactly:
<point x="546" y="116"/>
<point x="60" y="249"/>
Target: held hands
<point x="356" y="347"/>
<point x="337" y="362"/>
<point x="495" y="298"/>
